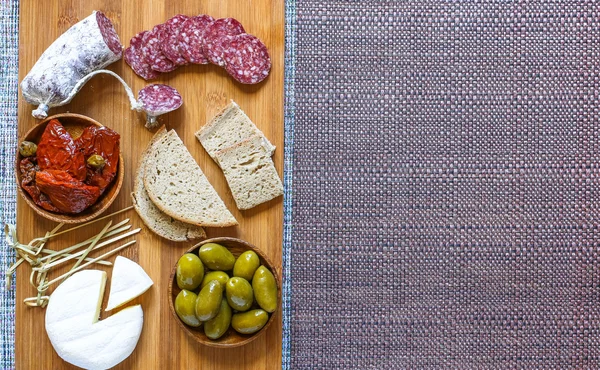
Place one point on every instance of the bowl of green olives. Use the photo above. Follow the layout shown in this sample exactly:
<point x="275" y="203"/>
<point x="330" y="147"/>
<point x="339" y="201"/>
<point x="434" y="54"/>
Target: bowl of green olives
<point x="224" y="292"/>
<point x="74" y="124"/>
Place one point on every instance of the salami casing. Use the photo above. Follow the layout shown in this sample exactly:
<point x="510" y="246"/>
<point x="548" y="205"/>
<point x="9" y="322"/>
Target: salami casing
<point x="213" y="37"/>
<point x="246" y="58"/>
<point x="89" y="45"/>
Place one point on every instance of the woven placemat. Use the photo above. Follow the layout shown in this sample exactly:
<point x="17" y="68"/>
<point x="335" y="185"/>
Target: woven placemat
<point x="9" y="55"/>
<point x="445" y="202"/>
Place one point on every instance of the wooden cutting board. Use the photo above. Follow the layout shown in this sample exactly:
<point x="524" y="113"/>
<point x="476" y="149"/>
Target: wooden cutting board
<point x="205" y="89"/>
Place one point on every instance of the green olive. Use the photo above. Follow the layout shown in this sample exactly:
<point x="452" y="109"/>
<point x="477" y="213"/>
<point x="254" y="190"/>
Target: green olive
<point x="246" y="264"/>
<point x="185" y="306"/>
<point x="209" y="301"/>
<point x="219" y="276"/>
<point x="239" y="294"/>
<point x="96" y="161"/>
<point x="190" y="271"/>
<point x="216" y="257"/>
<point x="27" y="148"/>
<point x="265" y="289"/>
<point x="217" y="326"/>
<point x="249" y="322"/>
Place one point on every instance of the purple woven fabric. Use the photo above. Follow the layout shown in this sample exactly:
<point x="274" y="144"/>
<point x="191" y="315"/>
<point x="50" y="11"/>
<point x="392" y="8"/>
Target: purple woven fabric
<point x="446" y="185"/>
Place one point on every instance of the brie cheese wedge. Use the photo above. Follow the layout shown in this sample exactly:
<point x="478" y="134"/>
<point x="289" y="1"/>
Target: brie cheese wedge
<point x="75" y="332"/>
<point x="129" y="281"/>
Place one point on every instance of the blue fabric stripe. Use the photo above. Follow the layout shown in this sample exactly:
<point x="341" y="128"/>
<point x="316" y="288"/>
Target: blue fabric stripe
<point x="9" y="74"/>
<point x="289" y="87"/>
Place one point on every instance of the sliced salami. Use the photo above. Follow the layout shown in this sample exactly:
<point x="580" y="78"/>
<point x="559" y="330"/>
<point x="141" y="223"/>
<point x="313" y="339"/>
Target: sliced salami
<point x="213" y="37"/>
<point x="170" y="45"/>
<point x="151" y="47"/>
<point x="246" y="58"/>
<point x="158" y="99"/>
<point x="89" y="45"/>
<point x="134" y="56"/>
<point x="190" y="38"/>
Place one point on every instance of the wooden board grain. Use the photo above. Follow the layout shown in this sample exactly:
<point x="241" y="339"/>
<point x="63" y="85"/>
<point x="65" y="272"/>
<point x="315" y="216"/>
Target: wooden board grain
<point x="205" y="90"/>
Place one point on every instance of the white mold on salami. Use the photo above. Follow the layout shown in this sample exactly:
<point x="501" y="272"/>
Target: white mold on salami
<point x="87" y="46"/>
<point x="158" y="99"/>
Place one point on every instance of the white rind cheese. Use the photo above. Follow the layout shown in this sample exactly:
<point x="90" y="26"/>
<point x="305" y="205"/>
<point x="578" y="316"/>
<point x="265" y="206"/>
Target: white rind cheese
<point x="129" y="281"/>
<point x="75" y="332"/>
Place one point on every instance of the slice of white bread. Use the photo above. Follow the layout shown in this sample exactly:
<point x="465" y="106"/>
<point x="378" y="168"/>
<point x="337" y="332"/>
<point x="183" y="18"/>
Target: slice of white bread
<point x="250" y="172"/>
<point x="228" y="128"/>
<point x="178" y="187"/>
<point x="156" y="220"/>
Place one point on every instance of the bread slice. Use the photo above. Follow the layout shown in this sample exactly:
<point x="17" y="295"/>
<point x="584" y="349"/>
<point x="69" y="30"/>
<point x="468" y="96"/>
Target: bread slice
<point x="156" y="220"/>
<point x="250" y="172"/>
<point x="228" y="128"/>
<point x="178" y="187"/>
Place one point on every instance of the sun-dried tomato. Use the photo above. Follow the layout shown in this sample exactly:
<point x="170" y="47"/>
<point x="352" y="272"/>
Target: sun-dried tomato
<point x="58" y="178"/>
<point x="66" y="193"/>
<point x="105" y="143"/>
<point x="57" y="151"/>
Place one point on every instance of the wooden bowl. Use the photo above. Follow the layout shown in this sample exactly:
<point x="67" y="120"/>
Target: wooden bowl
<point x="74" y="124"/>
<point x="232" y="338"/>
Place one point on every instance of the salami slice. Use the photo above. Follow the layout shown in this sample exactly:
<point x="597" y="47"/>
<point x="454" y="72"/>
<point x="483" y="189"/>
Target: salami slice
<point x="190" y="38"/>
<point x="134" y="56"/>
<point x="170" y="45"/>
<point x="246" y="58"/>
<point x="151" y="47"/>
<point x="87" y="46"/>
<point x="213" y="37"/>
<point x="158" y="99"/>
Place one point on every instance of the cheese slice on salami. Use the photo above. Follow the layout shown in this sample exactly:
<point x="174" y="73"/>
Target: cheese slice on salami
<point x="75" y="332"/>
<point x="129" y="281"/>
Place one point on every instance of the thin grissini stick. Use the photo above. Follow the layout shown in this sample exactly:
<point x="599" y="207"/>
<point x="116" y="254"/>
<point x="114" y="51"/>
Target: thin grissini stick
<point x="98" y="246"/>
<point x="107" y="254"/>
<point x="112" y="231"/>
<point x="88" y="249"/>
<point x="91" y="222"/>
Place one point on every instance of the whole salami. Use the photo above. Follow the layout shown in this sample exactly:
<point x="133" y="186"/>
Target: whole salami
<point x="246" y="58"/>
<point x="215" y="33"/>
<point x="89" y="45"/>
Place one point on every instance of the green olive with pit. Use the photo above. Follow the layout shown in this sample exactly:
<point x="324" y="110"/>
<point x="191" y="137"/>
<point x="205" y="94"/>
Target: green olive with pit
<point x="249" y="322"/>
<point x="185" y="307"/>
<point x="190" y="271"/>
<point x="216" y="257"/>
<point x="219" y="276"/>
<point x="246" y="265"/>
<point x="27" y="148"/>
<point x="239" y="294"/>
<point x="265" y="289"/>
<point x="209" y="301"/>
<point x="96" y="161"/>
<point x="218" y="325"/>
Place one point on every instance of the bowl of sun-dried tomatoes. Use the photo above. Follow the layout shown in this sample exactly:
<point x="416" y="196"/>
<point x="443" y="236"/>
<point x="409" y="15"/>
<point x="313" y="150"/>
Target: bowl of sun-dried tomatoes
<point x="69" y="168"/>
